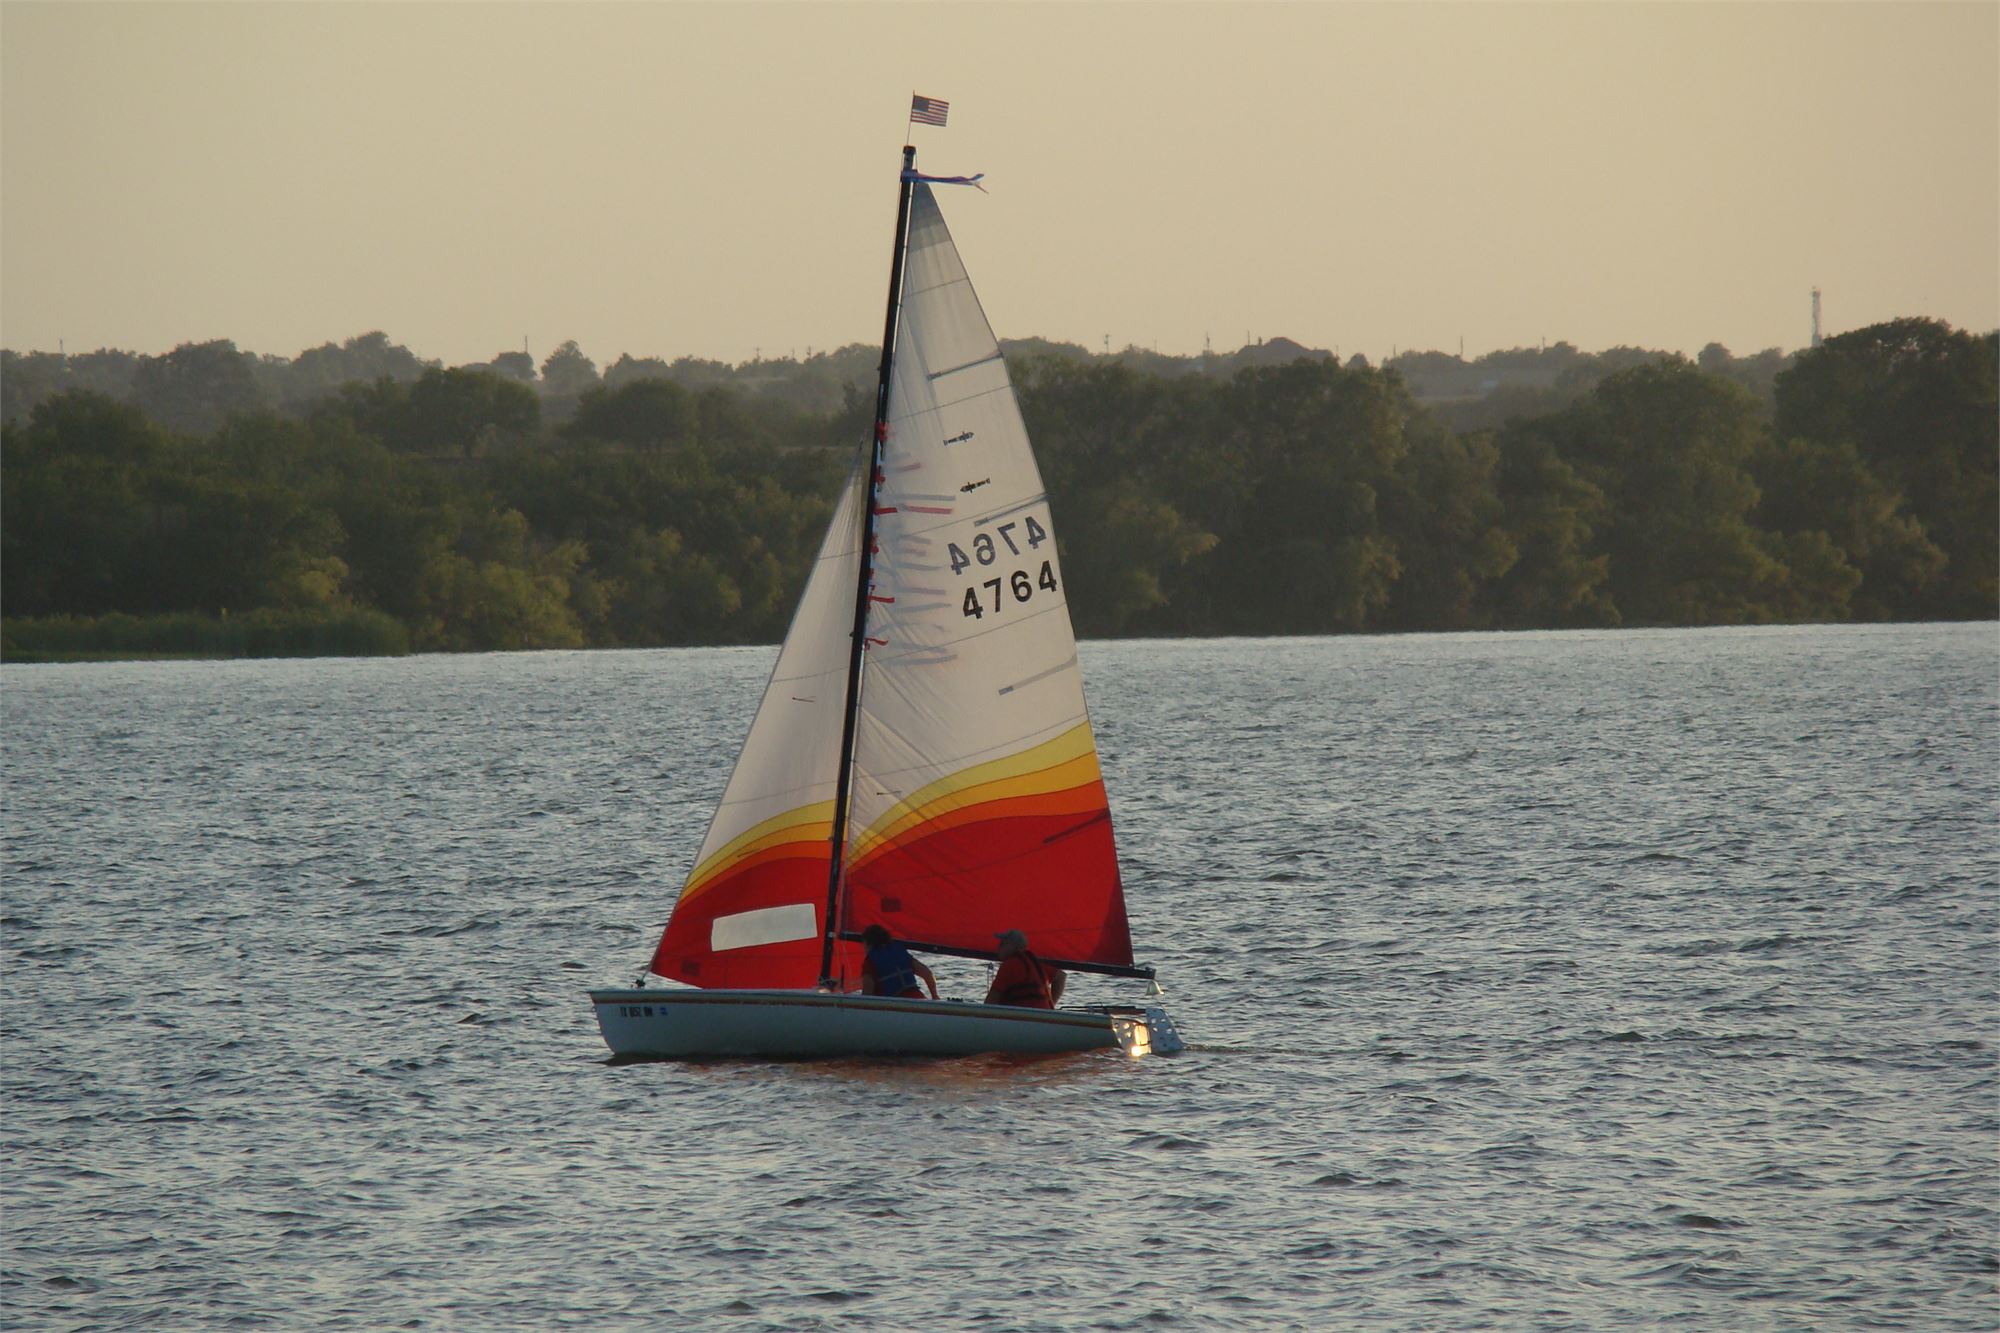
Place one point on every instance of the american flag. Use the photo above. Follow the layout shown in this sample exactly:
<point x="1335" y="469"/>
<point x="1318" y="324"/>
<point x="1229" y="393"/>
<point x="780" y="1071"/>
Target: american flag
<point x="927" y="110"/>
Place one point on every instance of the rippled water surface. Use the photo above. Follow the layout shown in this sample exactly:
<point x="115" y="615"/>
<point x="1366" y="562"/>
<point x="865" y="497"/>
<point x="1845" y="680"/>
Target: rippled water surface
<point x="1592" y="981"/>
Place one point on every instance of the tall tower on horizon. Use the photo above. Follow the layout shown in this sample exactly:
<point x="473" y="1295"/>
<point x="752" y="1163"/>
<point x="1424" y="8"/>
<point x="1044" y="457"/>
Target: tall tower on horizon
<point x="1816" y="339"/>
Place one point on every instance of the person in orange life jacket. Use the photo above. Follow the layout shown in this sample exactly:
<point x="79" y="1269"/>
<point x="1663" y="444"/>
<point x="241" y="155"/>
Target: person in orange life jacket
<point x="1024" y="979"/>
<point x="888" y="969"/>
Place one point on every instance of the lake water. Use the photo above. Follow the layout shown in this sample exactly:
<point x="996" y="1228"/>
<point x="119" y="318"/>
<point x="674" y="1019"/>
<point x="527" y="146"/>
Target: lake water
<point x="1573" y="981"/>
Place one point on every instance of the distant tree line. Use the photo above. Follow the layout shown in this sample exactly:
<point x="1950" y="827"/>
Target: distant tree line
<point x="359" y="499"/>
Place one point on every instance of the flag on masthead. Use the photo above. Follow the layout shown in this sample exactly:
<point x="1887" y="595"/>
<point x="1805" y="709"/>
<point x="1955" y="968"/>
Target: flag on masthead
<point x="927" y="110"/>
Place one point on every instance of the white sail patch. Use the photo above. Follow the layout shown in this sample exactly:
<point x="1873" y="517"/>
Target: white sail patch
<point x="765" y="925"/>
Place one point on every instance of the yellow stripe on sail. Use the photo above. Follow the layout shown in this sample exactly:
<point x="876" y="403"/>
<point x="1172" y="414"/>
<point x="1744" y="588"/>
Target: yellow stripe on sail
<point x="1068" y="761"/>
<point x="808" y="823"/>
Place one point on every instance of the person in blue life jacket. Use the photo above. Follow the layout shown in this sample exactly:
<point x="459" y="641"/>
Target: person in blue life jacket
<point x="1022" y="978"/>
<point x="888" y="969"/>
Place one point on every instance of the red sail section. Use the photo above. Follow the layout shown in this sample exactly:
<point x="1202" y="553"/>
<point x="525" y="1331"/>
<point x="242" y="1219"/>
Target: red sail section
<point x="1041" y="862"/>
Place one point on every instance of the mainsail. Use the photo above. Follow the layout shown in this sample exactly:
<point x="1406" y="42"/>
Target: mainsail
<point x="976" y="804"/>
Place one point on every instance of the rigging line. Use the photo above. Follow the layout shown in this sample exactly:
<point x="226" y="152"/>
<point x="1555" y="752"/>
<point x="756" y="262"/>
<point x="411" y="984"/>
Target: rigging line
<point x="1101" y="817"/>
<point x="1039" y="675"/>
<point x="1002" y="387"/>
<point x="941" y="645"/>
<point x="963" y="279"/>
<point x="984" y="360"/>
<point x="991" y="515"/>
<point x="1061" y="604"/>
<point x="787" y="791"/>
<point x="803" y="675"/>
<point x="1002" y="513"/>
<point x="842" y="554"/>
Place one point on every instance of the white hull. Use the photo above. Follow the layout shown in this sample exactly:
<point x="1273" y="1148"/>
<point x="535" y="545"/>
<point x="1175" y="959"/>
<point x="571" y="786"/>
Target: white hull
<point x="791" y="1024"/>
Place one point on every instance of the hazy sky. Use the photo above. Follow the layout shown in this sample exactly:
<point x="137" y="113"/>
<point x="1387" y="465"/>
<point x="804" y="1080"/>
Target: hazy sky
<point x="708" y="179"/>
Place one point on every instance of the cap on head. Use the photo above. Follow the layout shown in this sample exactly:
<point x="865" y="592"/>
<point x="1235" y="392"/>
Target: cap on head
<point x="875" y="936"/>
<point x="1011" y="943"/>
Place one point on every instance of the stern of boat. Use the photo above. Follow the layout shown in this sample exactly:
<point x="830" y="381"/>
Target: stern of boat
<point x="1144" y="1031"/>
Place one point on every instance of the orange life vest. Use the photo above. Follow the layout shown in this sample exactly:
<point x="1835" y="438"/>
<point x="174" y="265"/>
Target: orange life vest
<point x="1022" y="981"/>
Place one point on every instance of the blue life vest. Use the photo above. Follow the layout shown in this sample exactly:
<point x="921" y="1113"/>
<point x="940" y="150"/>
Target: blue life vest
<point x="895" y="970"/>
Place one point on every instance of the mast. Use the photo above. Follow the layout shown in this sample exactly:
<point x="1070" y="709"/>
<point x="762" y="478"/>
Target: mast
<point x="837" y="863"/>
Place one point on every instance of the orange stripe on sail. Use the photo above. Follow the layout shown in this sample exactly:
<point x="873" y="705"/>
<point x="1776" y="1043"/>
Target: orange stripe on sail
<point x="807" y="824"/>
<point x="1072" y="775"/>
<point x="1078" y="740"/>
<point x="1067" y="761"/>
<point x="1088" y="799"/>
<point x="813" y="849"/>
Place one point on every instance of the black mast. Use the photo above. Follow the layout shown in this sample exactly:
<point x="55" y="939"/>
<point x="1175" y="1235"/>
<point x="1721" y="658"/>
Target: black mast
<point x="838" y="861"/>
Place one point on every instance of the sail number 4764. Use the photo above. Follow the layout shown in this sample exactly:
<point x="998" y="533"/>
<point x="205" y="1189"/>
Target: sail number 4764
<point x="1020" y="583"/>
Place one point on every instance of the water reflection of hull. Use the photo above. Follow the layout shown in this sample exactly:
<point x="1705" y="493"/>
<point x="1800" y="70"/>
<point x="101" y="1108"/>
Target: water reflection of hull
<point x="808" y="1024"/>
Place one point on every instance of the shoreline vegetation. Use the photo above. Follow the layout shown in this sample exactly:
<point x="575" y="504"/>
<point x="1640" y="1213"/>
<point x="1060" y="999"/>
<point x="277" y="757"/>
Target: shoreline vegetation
<point x="358" y="500"/>
<point x="67" y="640"/>
<point x="187" y="636"/>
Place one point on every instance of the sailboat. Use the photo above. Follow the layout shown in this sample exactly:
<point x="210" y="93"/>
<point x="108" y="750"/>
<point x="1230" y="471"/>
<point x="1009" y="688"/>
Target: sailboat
<point x="922" y="758"/>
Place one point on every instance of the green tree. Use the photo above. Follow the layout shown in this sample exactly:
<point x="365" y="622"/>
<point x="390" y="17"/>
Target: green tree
<point x="567" y="375"/>
<point x="1559" y="579"/>
<point x="644" y="413"/>
<point x="104" y="514"/>
<point x="465" y="411"/>
<point x="1917" y="401"/>
<point x="490" y="606"/>
<point x="1669" y="446"/>
<point x="661" y="593"/>
<point x="1447" y="524"/>
<point x="1121" y="551"/>
<point x="567" y="372"/>
<point x="492" y="584"/>
<point x="318" y="371"/>
<point x="197" y="386"/>
<point x="516" y="366"/>
<point x="628" y="369"/>
<point x="27" y="381"/>
<point x="76" y="512"/>
<point x="1308" y="551"/>
<point x="1825" y="489"/>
